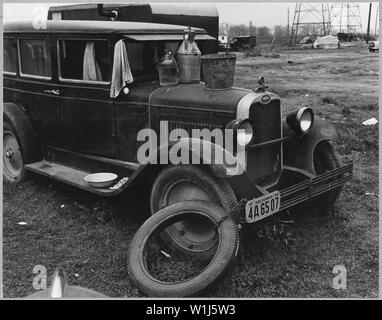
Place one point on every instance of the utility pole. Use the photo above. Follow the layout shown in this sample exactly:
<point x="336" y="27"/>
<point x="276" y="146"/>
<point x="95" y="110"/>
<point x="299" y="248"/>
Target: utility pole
<point x="376" y="21"/>
<point x="323" y="19"/>
<point x="342" y="7"/>
<point x="368" y="25"/>
<point x="288" y="24"/>
<point x="348" y="16"/>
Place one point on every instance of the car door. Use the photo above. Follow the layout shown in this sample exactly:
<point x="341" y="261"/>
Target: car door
<point x="86" y="112"/>
<point x="34" y="88"/>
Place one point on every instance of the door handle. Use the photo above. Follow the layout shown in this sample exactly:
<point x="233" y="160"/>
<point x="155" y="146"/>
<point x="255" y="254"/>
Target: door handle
<point x="53" y="91"/>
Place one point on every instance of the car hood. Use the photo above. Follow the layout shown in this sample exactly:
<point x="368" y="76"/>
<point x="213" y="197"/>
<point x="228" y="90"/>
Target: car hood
<point x="196" y="96"/>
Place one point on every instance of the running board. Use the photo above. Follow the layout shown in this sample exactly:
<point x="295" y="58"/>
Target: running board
<point x="88" y="162"/>
<point x="75" y="177"/>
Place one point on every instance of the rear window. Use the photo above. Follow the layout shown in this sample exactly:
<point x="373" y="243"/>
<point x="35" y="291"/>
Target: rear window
<point x="35" y="57"/>
<point x="9" y="58"/>
<point x="86" y="60"/>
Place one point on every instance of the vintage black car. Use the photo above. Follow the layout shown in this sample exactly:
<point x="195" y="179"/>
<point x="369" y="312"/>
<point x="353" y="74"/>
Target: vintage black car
<point x="373" y="46"/>
<point x="242" y="42"/>
<point x="64" y="123"/>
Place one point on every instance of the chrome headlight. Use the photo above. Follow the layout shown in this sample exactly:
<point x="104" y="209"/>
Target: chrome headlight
<point x="301" y="120"/>
<point x="245" y="133"/>
<point x="242" y="130"/>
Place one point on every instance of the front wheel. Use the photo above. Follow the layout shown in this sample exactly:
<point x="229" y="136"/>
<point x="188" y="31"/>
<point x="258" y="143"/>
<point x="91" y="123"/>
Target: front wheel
<point x="13" y="162"/>
<point x="325" y="159"/>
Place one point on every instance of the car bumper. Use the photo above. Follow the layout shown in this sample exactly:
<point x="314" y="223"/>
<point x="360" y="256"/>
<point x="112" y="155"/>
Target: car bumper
<point x="312" y="187"/>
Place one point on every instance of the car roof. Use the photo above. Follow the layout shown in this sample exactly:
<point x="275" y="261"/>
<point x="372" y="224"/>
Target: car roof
<point x="193" y="9"/>
<point x="80" y="26"/>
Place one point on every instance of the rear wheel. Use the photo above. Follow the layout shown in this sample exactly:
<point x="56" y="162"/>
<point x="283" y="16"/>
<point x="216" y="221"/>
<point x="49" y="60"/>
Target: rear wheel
<point x="186" y="182"/>
<point x="325" y="159"/>
<point x="13" y="162"/>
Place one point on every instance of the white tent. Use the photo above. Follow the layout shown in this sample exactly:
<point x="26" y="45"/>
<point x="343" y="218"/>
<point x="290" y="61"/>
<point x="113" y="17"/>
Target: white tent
<point x="327" y="42"/>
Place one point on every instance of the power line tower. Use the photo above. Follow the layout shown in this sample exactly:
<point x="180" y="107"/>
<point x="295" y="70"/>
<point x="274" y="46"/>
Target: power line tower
<point x="345" y="18"/>
<point x="310" y="19"/>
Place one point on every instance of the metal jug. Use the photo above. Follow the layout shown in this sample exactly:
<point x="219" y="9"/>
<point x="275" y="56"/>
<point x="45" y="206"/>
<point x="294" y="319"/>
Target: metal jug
<point x="188" y="58"/>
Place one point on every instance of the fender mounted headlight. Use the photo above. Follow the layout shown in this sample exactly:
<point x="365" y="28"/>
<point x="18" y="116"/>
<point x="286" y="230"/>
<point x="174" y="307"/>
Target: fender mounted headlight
<point x="300" y="120"/>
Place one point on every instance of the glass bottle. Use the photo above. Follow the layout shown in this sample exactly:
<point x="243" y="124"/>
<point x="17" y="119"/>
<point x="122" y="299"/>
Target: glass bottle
<point x="168" y="70"/>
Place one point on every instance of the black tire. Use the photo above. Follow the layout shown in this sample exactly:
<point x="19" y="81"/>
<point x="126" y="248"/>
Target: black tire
<point x="227" y="248"/>
<point x="325" y="159"/>
<point x="13" y="155"/>
<point x="194" y="238"/>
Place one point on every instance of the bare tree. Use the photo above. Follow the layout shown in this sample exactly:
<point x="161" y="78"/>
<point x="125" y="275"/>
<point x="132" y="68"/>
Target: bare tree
<point x="251" y="29"/>
<point x="281" y="34"/>
<point x="264" y="35"/>
<point x="238" y="30"/>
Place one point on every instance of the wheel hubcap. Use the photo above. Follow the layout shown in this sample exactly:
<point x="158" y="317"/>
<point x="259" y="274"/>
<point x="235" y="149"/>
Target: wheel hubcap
<point x="12" y="159"/>
<point x="197" y="230"/>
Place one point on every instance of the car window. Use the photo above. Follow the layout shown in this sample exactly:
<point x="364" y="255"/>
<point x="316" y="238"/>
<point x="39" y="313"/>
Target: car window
<point x="144" y="56"/>
<point x="35" y="57"/>
<point x="86" y="60"/>
<point x="9" y="55"/>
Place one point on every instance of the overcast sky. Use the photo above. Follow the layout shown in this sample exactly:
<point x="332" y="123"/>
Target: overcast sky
<point x="262" y="14"/>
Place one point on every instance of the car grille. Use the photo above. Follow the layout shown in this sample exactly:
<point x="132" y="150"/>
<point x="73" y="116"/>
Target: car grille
<point x="264" y="163"/>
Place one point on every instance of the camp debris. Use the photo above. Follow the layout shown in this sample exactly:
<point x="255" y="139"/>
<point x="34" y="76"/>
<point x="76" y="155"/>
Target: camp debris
<point x="370" y="122"/>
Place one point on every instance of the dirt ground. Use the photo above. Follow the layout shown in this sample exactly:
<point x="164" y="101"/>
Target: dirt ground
<point x="89" y="236"/>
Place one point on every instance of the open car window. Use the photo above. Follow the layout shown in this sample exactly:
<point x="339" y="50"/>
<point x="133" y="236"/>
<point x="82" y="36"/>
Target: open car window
<point x="84" y="60"/>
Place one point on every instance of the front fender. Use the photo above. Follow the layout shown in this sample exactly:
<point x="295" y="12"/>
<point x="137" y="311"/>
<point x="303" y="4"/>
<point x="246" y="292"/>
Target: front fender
<point x="196" y="154"/>
<point x="195" y="151"/>
<point x="298" y="151"/>
<point x="29" y="141"/>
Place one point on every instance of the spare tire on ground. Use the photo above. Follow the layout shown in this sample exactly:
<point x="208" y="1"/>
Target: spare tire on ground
<point x="224" y="256"/>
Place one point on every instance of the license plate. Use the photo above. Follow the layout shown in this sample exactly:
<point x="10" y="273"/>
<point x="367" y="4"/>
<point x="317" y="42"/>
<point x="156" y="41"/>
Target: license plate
<point x="262" y="207"/>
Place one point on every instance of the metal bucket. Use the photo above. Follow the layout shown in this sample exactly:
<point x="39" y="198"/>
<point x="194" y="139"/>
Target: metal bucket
<point x="218" y="70"/>
<point x="189" y="67"/>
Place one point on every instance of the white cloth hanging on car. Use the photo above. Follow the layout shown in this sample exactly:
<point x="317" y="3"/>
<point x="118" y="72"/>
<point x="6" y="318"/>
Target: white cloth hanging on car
<point x="121" y="70"/>
<point x="91" y="69"/>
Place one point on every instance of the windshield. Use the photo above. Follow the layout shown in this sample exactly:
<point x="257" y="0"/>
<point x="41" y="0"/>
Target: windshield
<point x="145" y="56"/>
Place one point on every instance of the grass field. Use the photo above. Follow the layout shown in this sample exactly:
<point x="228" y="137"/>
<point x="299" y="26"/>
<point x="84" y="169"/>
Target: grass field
<point x="89" y="236"/>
